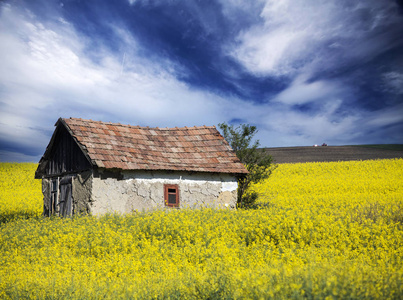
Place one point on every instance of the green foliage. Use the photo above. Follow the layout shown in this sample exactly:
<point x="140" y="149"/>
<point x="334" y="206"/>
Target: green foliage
<point x="258" y="163"/>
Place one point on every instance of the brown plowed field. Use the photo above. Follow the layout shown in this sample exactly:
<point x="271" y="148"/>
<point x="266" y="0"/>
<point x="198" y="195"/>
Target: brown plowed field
<point x="329" y="153"/>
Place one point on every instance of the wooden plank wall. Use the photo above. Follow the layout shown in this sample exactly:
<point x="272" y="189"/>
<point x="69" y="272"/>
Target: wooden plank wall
<point x="66" y="156"/>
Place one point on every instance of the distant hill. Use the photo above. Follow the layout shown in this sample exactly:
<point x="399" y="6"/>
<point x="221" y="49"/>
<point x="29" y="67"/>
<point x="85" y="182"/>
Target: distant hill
<point x="334" y="153"/>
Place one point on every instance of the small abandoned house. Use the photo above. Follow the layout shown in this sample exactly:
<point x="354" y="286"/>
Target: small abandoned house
<point x="96" y="167"/>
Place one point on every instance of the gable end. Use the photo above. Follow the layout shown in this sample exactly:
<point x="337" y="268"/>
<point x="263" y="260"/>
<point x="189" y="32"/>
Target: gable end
<point x="63" y="155"/>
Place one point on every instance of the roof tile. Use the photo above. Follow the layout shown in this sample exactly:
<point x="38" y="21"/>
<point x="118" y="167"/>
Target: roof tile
<point x="126" y="147"/>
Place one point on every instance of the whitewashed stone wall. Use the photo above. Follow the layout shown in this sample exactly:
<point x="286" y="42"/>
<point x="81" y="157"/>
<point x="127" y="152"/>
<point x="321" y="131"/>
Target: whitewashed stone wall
<point x="143" y="191"/>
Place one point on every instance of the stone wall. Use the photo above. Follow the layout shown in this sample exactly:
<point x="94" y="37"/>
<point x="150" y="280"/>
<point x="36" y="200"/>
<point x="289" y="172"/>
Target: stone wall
<point x="81" y="193"/>
<point x="82" y="188"/>
<point x="141" y="191"/>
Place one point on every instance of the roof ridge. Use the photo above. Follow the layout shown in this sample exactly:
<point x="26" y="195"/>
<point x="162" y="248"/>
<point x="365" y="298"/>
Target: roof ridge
<point x="142" y="127"/>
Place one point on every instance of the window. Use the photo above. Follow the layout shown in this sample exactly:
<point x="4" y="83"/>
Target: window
<point x="171" y="195"/>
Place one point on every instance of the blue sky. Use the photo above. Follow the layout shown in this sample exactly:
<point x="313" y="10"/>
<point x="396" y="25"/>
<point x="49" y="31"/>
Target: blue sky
<point x="304" y="72"/>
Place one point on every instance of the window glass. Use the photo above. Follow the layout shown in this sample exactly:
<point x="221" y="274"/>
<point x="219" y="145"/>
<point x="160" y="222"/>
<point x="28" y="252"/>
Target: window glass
<point x="171" y="192"/>
<point x="172" y="198"/>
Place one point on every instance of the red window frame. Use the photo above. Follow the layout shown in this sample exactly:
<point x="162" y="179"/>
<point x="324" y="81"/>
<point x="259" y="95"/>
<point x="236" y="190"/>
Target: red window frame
<point x="168" y="191"/>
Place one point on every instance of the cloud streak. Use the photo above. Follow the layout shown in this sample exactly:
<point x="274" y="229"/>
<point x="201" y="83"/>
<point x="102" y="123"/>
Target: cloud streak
<point x="305" y="37"/>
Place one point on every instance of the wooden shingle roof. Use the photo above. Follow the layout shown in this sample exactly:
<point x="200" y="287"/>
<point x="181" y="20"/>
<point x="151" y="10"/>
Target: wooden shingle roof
<point x="126" y="147"/>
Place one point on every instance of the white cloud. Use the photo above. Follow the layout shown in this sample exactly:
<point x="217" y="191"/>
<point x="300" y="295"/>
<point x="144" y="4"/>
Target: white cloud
<point x="266" y="55"/>
<point x="10" y="156"/>
<point x="301" y="92"/>
<point x="393" y="82"/>
<point x="299" y="36"/>
<point x="302" y="39"/>
<point x="385" y="117"/>
<point x="281" y="125"/>
<point x="50" y="75"/>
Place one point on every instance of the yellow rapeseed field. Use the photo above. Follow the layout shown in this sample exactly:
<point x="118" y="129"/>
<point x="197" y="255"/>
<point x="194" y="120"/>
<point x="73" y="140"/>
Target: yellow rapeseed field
<point x="324" y="231"/>
<point x="20" y="194"/>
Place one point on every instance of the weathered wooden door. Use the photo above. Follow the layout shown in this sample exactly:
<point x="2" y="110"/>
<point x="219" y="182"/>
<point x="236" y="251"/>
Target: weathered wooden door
<point x="65" y="201"/>
<point x="54" y="196"/>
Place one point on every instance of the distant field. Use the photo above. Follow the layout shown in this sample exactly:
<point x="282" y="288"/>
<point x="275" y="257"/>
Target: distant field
<point x="398" y="147"/>
<point x="334" y="153"/>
